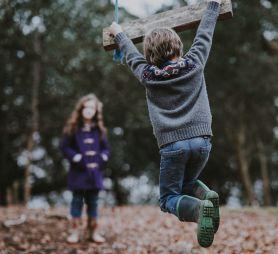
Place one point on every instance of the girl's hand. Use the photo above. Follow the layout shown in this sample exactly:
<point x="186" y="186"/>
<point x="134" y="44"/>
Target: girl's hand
<point x="76" y="158"/>
<point x="115" y="29"/>
<point x="104" y="157"/>
<point x="92" y="165"/>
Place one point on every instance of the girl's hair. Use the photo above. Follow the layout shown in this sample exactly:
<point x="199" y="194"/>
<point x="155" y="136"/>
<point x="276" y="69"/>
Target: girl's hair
<point x="161" y="45"/>
<point x="76" y="120"/>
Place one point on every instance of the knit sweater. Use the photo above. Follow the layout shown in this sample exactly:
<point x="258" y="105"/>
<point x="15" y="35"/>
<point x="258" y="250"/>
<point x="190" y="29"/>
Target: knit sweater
<point x="176" y="94"/>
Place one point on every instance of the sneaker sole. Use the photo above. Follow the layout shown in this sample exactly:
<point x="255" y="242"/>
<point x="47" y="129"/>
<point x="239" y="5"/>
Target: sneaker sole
<point x="213" y="197"/>
<point x="205" y="231"/>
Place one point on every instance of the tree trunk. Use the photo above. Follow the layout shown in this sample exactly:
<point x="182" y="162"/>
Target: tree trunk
<point x="34" y="114"/>
<point x="3" y="196"/>
<point x="121" y="195"/>
<point x="15" y="188"/>
<point x="9" y="196"/>
<point x="244" y="165"/>
<point x="263" y="166"/>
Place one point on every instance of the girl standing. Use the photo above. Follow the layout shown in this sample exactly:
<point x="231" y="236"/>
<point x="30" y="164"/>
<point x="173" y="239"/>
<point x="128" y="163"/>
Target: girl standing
<point x="85" y="145"/>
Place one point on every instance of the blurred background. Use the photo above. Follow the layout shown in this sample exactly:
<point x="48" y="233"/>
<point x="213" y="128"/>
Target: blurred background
<point x="51" y="54"/>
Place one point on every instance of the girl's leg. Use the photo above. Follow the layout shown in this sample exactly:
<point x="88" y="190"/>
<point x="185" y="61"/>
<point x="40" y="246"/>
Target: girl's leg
<point x="75" y="223"/>
<point x="91" y="199"/>
<point x="174" y="158"/>
<point x="76" y="212"/>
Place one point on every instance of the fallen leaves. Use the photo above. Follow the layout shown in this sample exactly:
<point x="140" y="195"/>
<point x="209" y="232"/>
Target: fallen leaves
<point x="139" y="230"/>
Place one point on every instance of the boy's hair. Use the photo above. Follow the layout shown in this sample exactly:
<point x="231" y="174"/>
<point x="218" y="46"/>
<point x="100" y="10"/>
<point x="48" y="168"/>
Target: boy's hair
<point x="161" y="45"/>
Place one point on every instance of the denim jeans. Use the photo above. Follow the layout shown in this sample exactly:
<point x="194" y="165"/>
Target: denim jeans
<point x="90" y="197"/>
<point x="180" y="166"/>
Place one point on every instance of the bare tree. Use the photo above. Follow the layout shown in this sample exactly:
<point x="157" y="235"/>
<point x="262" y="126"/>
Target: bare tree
<point x="264" y="171"/>
<point x="36" y="74"/>
<point x="243" y="163"/>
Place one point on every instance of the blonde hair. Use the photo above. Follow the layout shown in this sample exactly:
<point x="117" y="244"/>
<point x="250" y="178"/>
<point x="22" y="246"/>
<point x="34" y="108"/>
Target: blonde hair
<point x="76" y="120"/>
<point x="161" y="45"/>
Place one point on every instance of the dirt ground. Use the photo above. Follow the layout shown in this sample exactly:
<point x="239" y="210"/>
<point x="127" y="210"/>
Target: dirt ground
<point x="139" y="230"/>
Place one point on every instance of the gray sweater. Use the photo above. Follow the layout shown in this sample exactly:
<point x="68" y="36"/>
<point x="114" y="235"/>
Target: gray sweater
<point x="176" y="93"/>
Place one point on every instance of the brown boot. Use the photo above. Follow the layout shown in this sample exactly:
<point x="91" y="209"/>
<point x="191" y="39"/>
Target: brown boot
<point x="92" y="231"/>
<point x="74" y="232"/>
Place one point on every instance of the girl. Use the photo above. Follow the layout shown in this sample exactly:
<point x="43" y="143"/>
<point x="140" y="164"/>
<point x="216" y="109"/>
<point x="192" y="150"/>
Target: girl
<point x="85" y="145"/>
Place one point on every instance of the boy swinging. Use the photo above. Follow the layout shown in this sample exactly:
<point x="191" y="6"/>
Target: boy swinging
<point x="180" y="115"/>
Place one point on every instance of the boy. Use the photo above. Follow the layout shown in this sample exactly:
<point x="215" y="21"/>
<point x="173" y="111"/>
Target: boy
<point x="180" y="114"/>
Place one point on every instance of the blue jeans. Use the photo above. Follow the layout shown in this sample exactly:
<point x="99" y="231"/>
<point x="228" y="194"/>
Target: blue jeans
<point x="90" y="197"/>
<point x="180" y="166"/>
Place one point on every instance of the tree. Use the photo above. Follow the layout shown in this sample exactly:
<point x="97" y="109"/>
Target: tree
<point x="241" y="81"/>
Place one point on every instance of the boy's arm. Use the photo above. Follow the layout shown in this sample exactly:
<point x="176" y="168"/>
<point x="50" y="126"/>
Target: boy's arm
<point x="202" y="43"/>
<point x="134" y="59"/>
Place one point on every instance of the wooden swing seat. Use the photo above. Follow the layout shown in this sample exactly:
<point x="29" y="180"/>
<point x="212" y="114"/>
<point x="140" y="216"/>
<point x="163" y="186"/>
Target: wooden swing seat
<point x="180" y="19"/>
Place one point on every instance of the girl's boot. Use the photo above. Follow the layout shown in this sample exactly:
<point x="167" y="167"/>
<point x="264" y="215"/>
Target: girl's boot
<point x="74" y="234"/>
<point x="92" y="232"/>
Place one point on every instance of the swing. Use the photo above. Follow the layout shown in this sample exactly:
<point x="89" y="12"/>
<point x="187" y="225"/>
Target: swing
<point x="178" y="19"/>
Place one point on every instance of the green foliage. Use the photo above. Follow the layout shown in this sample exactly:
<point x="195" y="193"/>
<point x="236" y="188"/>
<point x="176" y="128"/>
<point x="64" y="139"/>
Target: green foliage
<point x="241" y="78"/>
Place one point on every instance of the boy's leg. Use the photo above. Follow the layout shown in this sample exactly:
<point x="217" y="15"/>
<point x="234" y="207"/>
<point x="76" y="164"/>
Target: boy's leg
<point x="174" y="158"/>
<point x="191" y="186"/>
<point x="200" y="149"/>
<point x="173" y="166"/>
<point x="76" y="212"/>
<point x="91" y="199"/>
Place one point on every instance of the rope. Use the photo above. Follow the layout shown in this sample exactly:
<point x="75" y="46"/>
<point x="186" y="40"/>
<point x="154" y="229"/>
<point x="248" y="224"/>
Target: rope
<point x="116" y="17"/>
<point x="118" y="54"/>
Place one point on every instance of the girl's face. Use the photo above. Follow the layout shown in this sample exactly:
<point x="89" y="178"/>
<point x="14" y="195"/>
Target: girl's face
<point x="89" y="110"/>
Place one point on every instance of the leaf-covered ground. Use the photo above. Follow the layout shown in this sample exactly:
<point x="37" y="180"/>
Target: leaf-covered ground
<point x="140" y="230"/>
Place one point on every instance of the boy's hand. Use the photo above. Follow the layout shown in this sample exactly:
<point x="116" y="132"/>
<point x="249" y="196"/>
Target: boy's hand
<point x="115" y="28"/>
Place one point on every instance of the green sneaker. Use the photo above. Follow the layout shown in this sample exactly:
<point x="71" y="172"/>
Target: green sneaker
<point x="213" y="197"/>
<point x="202" y="192"/>
<point x="205" y="232"/>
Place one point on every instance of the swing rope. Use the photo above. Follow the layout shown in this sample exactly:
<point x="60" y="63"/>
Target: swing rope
<point x="118" y="54"/>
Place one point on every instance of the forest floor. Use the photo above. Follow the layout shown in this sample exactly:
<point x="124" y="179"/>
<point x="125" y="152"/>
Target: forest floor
<point x="139" y="230"/>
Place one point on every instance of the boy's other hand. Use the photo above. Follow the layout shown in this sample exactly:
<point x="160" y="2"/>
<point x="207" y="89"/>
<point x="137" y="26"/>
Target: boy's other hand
<point x="115" y="28"/>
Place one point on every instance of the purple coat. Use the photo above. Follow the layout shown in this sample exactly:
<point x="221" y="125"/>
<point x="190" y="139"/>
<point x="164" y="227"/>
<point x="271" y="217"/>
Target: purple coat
<point x="87" y="173"/>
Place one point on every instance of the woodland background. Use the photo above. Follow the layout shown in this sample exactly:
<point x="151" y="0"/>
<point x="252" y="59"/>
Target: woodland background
<point x="51" y="54"/>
